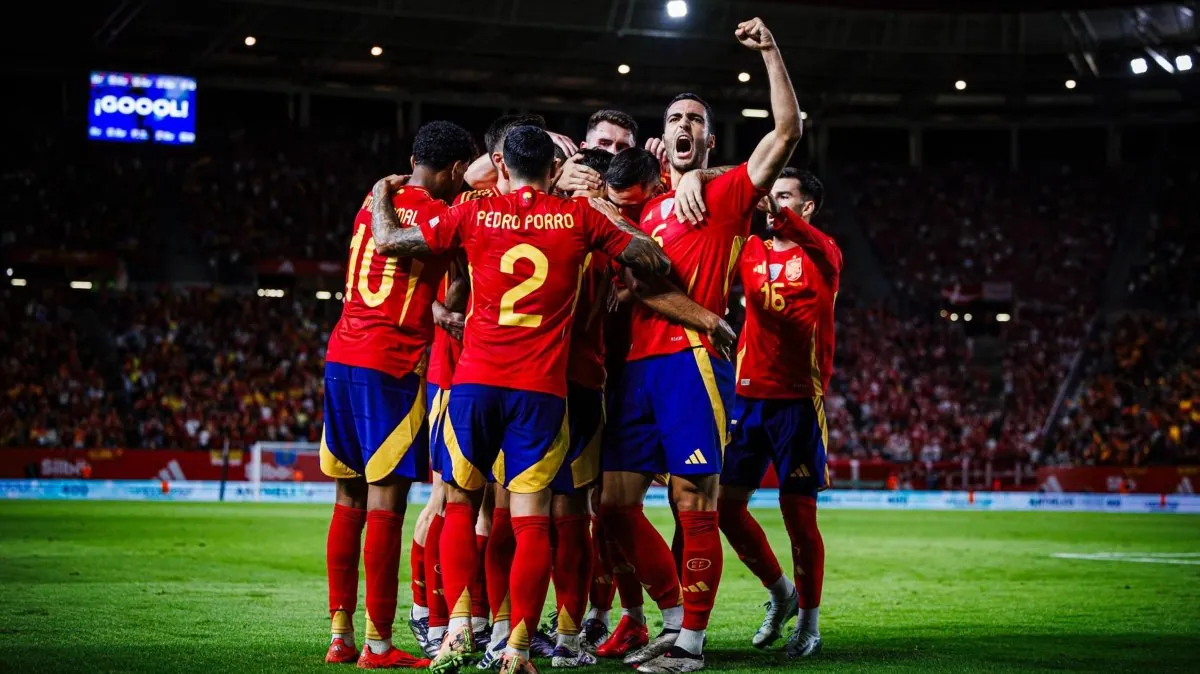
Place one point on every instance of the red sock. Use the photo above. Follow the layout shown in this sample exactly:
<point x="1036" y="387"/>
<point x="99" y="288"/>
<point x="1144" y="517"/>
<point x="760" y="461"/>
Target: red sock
<point x="627" y="582"/>
<point x="439" y="614"/>
<point x="749" y="541"/>
<point x="572" y="571"/>
<point x="702" y="564"/>
<point x="529" y="578"/>
<point x="416" y="560"/>
<point x="458" y="558"/>
<point x="677" y="546"/>
<point x="500" y="549"/>
<point x="638" y="539"/>
<point x="479" y="595"/>
<point x="808" y="549"/>
<point x="381" y="557"/>
<point x="341" y="558"/>
<point x="603" y="589"/>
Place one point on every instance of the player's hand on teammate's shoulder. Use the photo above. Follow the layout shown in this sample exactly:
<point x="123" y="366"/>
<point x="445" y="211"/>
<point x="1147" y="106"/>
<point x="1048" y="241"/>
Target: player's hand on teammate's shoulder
<point x="754" y="34"/>
<point x="390" y="184"/>
<point x="574" y="177"/>
<point x="689" y="199"/>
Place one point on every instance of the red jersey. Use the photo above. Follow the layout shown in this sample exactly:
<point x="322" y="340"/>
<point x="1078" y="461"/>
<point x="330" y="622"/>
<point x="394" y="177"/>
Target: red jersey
<point x="703" y="259"/>
<point x="527" y="253"/>
<point x="786" y="346"/>
<point x="387" y="317"/>
<point x="444" y="353"/>
<point x="585" y="365"/>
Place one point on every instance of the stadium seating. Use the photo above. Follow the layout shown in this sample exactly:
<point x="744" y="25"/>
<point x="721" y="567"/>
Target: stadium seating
<point x="1141" y="401"/>
<point x="185" y="369"/>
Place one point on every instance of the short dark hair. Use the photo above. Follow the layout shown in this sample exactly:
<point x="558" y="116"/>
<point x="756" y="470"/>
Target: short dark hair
<point x="810" y="187"/>
<point x="528" y="152"/>
<point x="709" y="117"/>
<point x="597" y="160"/>
<point x="494" y="137"/>
<point x="440" y="144"/>
<point x="614" y="117"/>
<point x="632" y="167"/>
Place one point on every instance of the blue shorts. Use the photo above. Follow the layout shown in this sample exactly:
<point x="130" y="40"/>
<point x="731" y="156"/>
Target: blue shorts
<point x="669" y="415"/>
<point x="373" y="424"/>
<point x="790" y="433"/>
<point x="438" y="399"/>
<point x="531" y="427"/>
<point x="585" y="421"/>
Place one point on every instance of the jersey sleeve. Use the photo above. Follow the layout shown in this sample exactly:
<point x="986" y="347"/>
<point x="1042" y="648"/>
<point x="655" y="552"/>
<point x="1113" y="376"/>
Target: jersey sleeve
<point x="445" y="232"/>
<point x="819" y="246"/>
<point x="602" y="234"/>
<point x="733" y="196"/>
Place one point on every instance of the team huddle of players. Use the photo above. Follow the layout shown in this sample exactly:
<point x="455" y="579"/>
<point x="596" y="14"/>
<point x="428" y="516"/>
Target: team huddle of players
<point x="550" y="345"/>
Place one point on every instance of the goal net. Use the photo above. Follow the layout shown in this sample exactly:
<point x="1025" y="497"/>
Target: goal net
<point x="290" y="472"/>
<point x="282" y="465"/>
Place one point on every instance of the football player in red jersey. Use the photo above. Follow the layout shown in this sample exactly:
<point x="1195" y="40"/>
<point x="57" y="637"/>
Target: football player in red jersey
<point x="527" y="253"/>
<point x="586" y="377"/>
<point x="673" y="371"/>
<point x="372" y="442"/>
<point x="785" y="360"/>
<point x="429" y="625"/>
<point x="632" y="179"/>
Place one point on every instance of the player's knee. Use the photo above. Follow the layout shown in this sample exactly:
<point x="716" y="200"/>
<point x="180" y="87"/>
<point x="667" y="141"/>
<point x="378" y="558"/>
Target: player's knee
<point x="731" y="512"/>
<point x="569" y="505"/>
<point x="696" y="493"/>
<point x="391" y="494"/>
<point x="351" y="492"/>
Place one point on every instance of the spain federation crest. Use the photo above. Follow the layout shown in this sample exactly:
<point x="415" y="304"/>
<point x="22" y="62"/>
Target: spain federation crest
<point x="794" y="269"/>
<point x="665" y="208"/>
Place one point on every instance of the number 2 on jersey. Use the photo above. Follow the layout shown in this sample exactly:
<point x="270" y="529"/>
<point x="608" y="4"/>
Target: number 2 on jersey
<point x="509" y="315"/>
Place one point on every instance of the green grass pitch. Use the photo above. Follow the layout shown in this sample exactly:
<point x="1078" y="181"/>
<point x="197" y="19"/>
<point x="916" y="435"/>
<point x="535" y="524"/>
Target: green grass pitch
<point x="211" y="588"/>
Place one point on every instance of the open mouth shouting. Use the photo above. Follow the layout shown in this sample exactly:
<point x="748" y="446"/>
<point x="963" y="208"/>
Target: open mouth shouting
<point x="684" y="148"/>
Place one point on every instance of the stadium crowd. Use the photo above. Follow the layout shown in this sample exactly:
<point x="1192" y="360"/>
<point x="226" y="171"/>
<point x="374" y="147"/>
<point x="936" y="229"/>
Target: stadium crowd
<point x="1141" y="402"/>
<point x="187" y="369"/>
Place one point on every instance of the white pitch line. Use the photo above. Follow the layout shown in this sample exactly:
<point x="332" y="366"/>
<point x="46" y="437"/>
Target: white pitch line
<point x="1189" y="558"/>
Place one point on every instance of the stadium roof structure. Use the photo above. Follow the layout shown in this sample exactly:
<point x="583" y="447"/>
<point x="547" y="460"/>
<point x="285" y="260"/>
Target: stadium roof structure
<point x="848" y="57"/>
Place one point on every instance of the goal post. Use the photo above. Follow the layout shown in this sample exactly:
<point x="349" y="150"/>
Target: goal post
<point x="281" y="461"/>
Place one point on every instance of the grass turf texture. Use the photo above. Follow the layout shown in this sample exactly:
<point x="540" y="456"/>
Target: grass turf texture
<point x="202" y="588"/>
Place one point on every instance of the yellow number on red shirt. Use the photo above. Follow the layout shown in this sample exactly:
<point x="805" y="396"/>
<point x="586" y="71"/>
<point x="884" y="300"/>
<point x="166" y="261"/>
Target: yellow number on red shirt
<point x="508" y="315"/>
<point x="654" y="235"/>
<point x="370" y="298"/>
<point x="771" y="297"/>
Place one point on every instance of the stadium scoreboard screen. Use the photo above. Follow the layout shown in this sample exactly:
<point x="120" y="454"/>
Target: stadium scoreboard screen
<point x="135" y="108"/>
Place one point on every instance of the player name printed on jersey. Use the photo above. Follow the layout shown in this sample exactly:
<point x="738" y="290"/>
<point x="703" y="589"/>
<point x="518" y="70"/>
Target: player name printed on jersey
<point x="386" y="321"/>
<point x="527" y="254"/>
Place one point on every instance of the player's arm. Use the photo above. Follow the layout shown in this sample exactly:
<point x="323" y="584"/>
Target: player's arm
<point x="641" y="253"/>
<point x="817" y="244"/>
<point x="664" y="297"/>
<point x="775" y="149"/>
<point x="689" y="194"/>
<point x="392" y="239"/>
<point x="482" y="173"/>
<point x="449" y="315"/>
